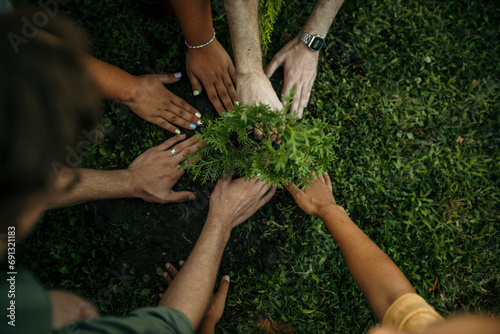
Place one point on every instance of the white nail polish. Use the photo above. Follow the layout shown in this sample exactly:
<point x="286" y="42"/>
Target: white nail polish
<point x="177" y="75"/>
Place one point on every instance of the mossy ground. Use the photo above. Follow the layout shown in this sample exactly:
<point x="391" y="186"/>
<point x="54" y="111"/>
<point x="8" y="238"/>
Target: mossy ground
<point x="414" y="87"/>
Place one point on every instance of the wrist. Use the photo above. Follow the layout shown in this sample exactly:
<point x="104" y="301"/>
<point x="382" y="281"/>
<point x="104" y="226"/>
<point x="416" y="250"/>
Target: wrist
<point x="250" y="72"/>
<point x="200" y="42"/>
<point x="313" y="41"/>
<point x="130" y="188"/>
<point x="329" y="210"/>
<point x="220" y="222"/>
<point x="130" y="86"/>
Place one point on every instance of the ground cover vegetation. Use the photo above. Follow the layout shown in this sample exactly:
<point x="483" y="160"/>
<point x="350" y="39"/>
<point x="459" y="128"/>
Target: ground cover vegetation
<point x="305" y="148"/>
<point x="412" y="89"/>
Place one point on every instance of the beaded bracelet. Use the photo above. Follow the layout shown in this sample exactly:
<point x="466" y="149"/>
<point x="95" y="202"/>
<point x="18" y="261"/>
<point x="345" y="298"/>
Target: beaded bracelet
<point x="200" y="46"/>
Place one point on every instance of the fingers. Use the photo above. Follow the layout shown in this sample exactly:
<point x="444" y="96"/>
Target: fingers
<point x="169" y="78"/>
<point x="257" y="133"/>
<point x="214" y="97"/>
<point x="304" y="99"/>
<point x="162" y="123"/>
<point x="267" y="197"/>
<point x="273" y="65"/>
<point x="221" y="294"/>
<point x="185" y="144"/>
<point x="173" y="117"/>
<point x="224" y="181"/>
<point x="232" y="73"/>
<point x="168" y="143"/>
<point x="328" y="181"/>
<point x="296" y="100"/>
<point x="292" y="189"/>
<point x="170" y="274"/>
<point x="181" y="155"/>
<point x="226" y="90"/>
<point x="181" y="196"/>
<point x="185" y="111"/>
<point x="195" y="84"/>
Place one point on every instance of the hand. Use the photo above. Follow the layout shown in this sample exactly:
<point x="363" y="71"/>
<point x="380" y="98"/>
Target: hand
<point x="256" y="87"/>
<point x="300" y="66"/>
<point x="156" y="104"/>
<point x="156" y="171"/>
<point x="68" y="308"/>
<point x="316" y="198"/>
<point x="217" y="303"/>
<point x="234" y="201"/>
<point x="213" y="67"/>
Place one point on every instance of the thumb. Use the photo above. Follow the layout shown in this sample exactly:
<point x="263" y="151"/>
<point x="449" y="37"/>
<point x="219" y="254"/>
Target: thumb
<point x="195" y="84"/>
<point x="182" y="196"/>
<point x="221" y="294"/>
<point x="273" y="65"/>
<point x="169" y="78"/>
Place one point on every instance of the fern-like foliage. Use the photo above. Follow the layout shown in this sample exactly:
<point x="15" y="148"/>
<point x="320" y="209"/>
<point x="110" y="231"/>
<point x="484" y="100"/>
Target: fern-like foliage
<point x="268" y="14"/>
<point x="307" y="146"/>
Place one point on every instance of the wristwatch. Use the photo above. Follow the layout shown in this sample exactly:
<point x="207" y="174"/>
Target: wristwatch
<point x="313" y="42"/>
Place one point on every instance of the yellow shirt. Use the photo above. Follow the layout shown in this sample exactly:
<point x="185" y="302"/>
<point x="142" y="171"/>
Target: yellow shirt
<point x="410" y="313"/>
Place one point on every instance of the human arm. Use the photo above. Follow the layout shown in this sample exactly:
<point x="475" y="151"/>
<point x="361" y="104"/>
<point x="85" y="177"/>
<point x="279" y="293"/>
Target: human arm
<point x="253" y="85"/>
<point x="216" y="305"/>
<point x="210" y="65"/>
<point x="377" y="276"/>
<point x="300" y="63"/>
<point x="231" y="203"/>
<point x="150" y="176"/>
<point x="145" y="95"/>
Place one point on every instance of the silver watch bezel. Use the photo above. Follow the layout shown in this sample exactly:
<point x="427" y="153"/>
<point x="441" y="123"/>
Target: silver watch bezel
<point x="308" y="39"/>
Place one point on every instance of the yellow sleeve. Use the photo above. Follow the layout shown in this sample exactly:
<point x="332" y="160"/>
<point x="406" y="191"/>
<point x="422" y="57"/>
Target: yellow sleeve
<point x="410" y="313"/>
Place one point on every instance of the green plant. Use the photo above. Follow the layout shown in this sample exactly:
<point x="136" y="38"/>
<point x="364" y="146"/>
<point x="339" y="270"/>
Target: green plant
<point x="268" y="14"/>
<point x="307" y="146"/>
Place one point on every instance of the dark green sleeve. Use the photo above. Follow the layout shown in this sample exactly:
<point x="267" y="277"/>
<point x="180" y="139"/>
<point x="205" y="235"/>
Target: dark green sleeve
<point x="149" y="320"/>
<point x="25" y="304"/>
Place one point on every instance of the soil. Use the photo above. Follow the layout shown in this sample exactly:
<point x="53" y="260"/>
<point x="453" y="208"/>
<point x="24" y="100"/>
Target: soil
<point x="167" y="233"/>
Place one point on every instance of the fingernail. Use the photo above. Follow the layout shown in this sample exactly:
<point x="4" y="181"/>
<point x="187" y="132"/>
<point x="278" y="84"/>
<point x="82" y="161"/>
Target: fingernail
<point x="192" y="126"/>
<point x="223" y="114"/>
<point x="167" y="266"/>
<point x="182" y="135"/>
<point x="199" y="122"/>
<point x="226" y="278"/>
<point x="177" y="131"/>
<point x="198" y="115"/>
<point x="196" y="92"/>
<point x="178" y="75"/>
<point x="164" y="274"/>
<point x="191" y="197"/>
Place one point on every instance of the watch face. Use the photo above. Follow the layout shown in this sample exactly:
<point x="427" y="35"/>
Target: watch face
<point x="316" y="43"/>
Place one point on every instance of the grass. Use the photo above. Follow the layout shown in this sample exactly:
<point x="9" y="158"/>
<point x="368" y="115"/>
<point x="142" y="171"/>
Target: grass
<point x="413" y="88"/>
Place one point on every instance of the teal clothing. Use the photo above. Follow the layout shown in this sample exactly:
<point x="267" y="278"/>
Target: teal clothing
<point x="31" y="311"/>
<point x="148" y="320"/>
<point x="33" y="314"/>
